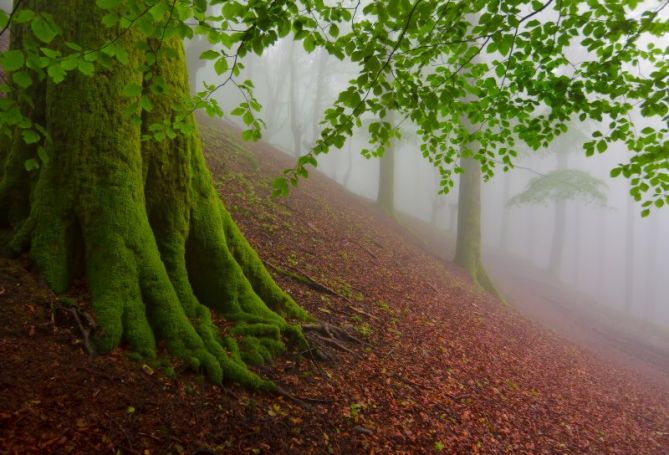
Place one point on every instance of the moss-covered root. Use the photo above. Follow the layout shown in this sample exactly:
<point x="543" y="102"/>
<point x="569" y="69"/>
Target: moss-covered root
<point x="142" y="221"/>
<point x="482" y="280"/>
<point x="255" y="271"/>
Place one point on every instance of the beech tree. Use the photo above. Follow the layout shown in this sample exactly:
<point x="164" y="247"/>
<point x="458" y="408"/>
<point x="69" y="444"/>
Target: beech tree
<point x="560" y="186"/>
<point x="127" y="200"/>
<point x="103" y="169"/>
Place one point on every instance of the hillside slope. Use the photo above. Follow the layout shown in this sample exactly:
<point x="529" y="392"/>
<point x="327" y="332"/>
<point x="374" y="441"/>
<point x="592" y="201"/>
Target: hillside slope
<point x="440" y="367"/>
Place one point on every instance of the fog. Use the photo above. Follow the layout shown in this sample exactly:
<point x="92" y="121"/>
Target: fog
<point x="610" y="254"/>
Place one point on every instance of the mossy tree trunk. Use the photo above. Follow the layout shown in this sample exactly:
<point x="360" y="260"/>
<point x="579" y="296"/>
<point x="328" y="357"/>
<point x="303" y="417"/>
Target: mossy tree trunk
<point x="140" y="220"/>
<point x="468" y="243"/>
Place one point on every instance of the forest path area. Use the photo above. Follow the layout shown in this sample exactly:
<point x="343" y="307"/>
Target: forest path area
<point x="439" y="366"/>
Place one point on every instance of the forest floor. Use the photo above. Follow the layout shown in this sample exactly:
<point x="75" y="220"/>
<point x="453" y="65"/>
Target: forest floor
<point x="442" y="367"/>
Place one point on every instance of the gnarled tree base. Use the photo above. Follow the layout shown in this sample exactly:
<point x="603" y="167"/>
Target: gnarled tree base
<point x="141" y="219"/>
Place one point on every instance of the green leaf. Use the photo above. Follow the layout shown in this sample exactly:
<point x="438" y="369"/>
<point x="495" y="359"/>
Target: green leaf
<point x="22" y="79"/>
<point x="30" y="136"/>
<point x="4" y="19"/>
<point x="23" y="16"/>
<point x="284" y="27"/>
<point x="334" y="30"/>
<point x="56" y="73"/>
<point x="43" y="155"/>
<point x="309" y="43"/>
<point x="86" y="68"/>
<point x="146" y="104"/>
<point x="43" y="29"/>
<point x="280" y="186"/>
<point x="221" y="66"/>
<point x="232" y="10"/>
<point x="209" y="55"/>
<point x="13" y="60"/>
<point x="132" y="90"/>
<point x="122" y="55"/>
<point x="31" y="164"/>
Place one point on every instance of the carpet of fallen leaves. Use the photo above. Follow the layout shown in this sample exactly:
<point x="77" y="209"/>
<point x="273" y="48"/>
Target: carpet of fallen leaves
<point x="442" y="367"/>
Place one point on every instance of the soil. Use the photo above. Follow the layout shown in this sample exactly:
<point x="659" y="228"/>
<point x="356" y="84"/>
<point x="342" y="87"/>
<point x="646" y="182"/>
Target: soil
<point x="441" y="367"/>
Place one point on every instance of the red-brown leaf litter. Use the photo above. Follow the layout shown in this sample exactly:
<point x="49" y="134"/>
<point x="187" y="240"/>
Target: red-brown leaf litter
<point x="441" y="367"/>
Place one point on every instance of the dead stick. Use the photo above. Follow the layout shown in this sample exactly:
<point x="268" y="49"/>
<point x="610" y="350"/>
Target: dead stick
<point x="84" y="332"/>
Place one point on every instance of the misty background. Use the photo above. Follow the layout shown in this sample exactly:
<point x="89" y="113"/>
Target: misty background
<point x="608" y="253"/>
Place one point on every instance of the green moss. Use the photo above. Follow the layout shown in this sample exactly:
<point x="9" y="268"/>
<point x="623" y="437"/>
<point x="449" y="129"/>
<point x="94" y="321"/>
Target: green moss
<point x="143" y="222"/>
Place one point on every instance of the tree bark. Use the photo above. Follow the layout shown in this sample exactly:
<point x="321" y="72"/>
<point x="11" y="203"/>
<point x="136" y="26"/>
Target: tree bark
<point x="650" y="271"/>
<point x="629" y="254"/>
<point x="385" y="197"/>
<point x="141" y="220"/>
<point x="559" y="226"/>
<point x="504" y="231"/>
<point x="468" y="244"/>
<point x="296" y="126"/>
<point x="194" y="48"/>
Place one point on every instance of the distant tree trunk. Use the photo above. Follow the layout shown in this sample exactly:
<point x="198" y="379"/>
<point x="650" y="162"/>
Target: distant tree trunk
<point x="576" y="259"/>
<point x="275" y="109"/>
<point x="295" y="124"/>
<point x="386" y="193"/>
<point x="437" y="203"/>
<point x="452" y="216"/>
<point x="321" y="90"/>
<point x="140" y="220"/>
<point x="559" y="226"/>
<point x="468" y="246"/>
<point x="531" y="233"/>
<point x="504" y="231"/>
<point x="629" y="254"/>
<point x="194" y="48"/>
<point x="349" y="164"/>
<point x="651" y="273"/>
<point x="601" y="248"/>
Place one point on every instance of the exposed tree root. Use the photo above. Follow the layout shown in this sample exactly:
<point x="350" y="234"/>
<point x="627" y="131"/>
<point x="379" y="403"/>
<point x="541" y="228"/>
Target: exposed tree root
<point x="85" y="329"/>
<point x="323" y="335"/>
<point x="303" y="278"/>
<point x="332" y="332"/>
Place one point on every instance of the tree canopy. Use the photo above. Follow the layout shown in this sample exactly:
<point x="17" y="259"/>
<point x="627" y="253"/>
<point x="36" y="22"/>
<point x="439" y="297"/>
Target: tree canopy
<point x="563" y="184"/>
<point x="520" y="70"/>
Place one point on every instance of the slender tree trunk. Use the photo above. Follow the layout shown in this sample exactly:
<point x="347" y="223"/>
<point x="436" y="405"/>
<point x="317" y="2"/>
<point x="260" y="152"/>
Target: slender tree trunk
<point x="601" y="249"/>
<point x="321" y="87"/>
<point x="557" y="244"/>
<point x="504" y="232"/>
<point x="141" y="220"/>
<point x="531" y="233"/>
<point x="436" y="204"/>
<point x="629" y="255"/>
<point x="468" y="246"/>
<point x="385" y="196"/>
<point x="349" y="163"/>
<point x="386" y="193"/>
<point x="295" y="125"/>
<point x="194" y="48"/>
<point x="559" y="227"/>
<point x="452" y="216"/>
<point x="651" y="272"/>
<point x="576" y="271"/>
